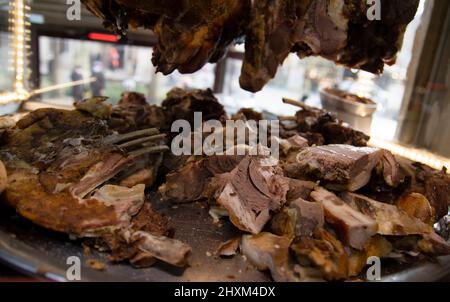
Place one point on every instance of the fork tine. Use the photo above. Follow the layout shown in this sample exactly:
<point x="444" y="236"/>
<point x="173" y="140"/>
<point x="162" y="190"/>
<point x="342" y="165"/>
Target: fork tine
<point x="148" y="150"/>
<point x="127" y="136"/>
<point x="142" y="140"/>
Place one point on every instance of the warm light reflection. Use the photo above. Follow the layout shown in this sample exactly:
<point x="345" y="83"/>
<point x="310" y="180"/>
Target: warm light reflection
<point x="18" y="24"/>
<point x="417" y="155"/>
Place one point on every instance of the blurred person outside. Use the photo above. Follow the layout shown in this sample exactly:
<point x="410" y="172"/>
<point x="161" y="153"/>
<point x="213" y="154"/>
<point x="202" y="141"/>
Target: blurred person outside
<point x="98" y="86"/>
<point x="78" y="90"/>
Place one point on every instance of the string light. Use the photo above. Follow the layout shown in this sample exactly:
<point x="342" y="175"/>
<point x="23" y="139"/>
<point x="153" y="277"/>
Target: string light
<point x="18" y="24"/>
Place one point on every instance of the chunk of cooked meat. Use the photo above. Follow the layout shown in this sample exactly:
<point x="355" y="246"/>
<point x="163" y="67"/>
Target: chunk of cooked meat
<point x="320" y="127"/>
<point x="300" y="218"/>
<point x="228" y="248"/>
<point x="344" y="167"/>
<point x="251" y="191"/>
<point x="97" y="106"/>
<point x="190" y="181"/>
<point x="63" y="169"/>
<point x="393" y="221"/>
<point x="291" y="146"/>
<point x="181" y="105"/>
<point x="378" y="246"/>
<point x="334" y="29"/>
<point x="133" y="112"/>
<point x="270" y="37"/>
<point x="191" y="33"/>
<point x="269" y="252"/>
<point x="433" y="184"/>
<point x="299" y="189"/>
<point x="324" y="251"/>
<point x="417" y="205"/>
<point x="372" y="44"/>
<point x="354" y="227"/>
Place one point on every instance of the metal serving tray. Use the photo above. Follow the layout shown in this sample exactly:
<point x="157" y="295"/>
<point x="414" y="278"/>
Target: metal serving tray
<point x="43" y="254"/>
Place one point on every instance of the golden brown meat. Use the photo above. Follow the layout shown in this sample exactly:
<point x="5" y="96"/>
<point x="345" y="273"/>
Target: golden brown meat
<point x="63" y="169"/>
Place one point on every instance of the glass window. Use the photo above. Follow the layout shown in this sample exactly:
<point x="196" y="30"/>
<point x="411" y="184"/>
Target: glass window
<point x="303" y="79"/>
<point x="7" y="74"/>
<point x="115" y="67"/>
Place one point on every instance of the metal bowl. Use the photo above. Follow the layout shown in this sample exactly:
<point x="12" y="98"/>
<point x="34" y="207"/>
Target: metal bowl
<point x="333" y="102"/>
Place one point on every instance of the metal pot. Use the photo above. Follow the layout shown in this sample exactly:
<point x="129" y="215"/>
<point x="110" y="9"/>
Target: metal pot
<point x="358" y="115"/>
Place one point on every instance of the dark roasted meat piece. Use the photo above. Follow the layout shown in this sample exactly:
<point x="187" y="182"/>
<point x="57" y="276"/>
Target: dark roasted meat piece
<point x="181" y="105"/>
<point x="192" y="33"/>
<point x="433" y="184"/>
<point x="65" y="170"/>
<point x="190" y="181"/>
<point x="320" y="127"/>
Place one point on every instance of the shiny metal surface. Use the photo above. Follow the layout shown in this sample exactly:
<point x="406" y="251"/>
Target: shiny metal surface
<point x="43" y="254"/>
<point x="335" y="103"/>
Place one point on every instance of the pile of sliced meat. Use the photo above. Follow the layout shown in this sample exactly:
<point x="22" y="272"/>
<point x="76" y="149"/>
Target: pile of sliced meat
<point x="317" y="213"/>
<point x="324" y="208"/>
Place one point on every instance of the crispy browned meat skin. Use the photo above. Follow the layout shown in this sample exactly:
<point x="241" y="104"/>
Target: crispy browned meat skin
<point x="192" y="33"/>
<point x="181" y="105"/>
<point x="433" y="184"/>
<point x="324" y="251"/>
<point x="199" y="34"/>
<point x="270" y="37"/>
<point x="63" y="170"/>
<point x="320" y="127"/>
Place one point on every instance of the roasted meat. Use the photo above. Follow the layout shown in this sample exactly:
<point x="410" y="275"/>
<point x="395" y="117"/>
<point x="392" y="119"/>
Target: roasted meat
<point x="191" y="33"/>
<point x="269" y="252"/>
<point x="251" y="192"/>
<point x="320" y="127"/>
<point x="181" y="105"/>
<point x="194" y="179"/>
<point x="334" y="29"/>
<point x="64" y="170"/>
<point x="433" y="184"/>
<point x="324" y="251"/>
<point x="355" y="228"/>
<point x="344" y="167"/>
<point x="199" y="34"/>
<point x="300" y="218"/>
<point x="393" y="221"/>
<point x="133" y="113"/>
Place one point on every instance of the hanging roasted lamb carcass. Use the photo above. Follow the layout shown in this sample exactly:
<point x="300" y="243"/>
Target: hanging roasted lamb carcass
<point x="192" y="33"/>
